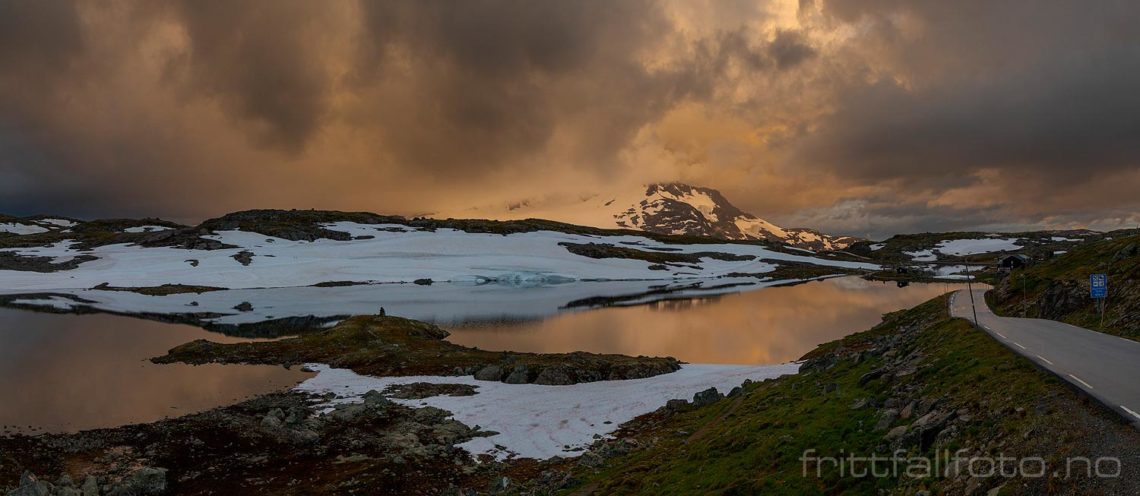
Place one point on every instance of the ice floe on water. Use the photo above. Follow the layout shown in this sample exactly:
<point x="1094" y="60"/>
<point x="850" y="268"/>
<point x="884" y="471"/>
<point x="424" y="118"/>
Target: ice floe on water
<point x="538" y="421"/>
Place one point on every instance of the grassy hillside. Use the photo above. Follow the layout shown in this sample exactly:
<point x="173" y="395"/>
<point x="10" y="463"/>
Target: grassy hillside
<point x="1058" y="289"/>
<point x="920" y="382"/>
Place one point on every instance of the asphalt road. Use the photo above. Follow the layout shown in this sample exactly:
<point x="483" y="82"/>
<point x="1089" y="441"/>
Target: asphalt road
<point x="1104" y="366"/>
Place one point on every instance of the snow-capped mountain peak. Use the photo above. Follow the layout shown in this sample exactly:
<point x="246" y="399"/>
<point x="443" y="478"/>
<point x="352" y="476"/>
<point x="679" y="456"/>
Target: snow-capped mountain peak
<point x="665" y="208"/>
<point x="676" y="208"/>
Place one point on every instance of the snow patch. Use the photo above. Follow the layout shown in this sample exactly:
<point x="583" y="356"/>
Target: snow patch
<point x="22" y="229"/>
<point x="922" y="256"/>
<point x="959" y="247"/>
<point x="54" y="302"/>
<point x="60" y="252"/>
<point x="145" y="229"/>
<point x="537" y="421"/>
<point x="59" y="222"/>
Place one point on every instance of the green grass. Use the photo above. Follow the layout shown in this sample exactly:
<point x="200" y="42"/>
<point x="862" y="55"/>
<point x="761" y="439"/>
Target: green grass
<point x="752" y="444"/>
<point x="1059" y="288"/>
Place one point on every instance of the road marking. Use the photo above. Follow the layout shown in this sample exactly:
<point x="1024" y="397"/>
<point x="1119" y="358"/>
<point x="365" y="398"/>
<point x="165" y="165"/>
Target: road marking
<point x="1046" y="360"/>
<point x="1129" y="410"/>
<point x="1078" y="379"/>
<point x="1000" y="334"/>
<point x="1019" y="345"/>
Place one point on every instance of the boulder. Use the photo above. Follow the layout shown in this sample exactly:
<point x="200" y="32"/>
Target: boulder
<point x="31" y="486"/>
<point x="896" y="433"/>
<point x="520" y="375"/>
<point x="554" y="376"/>
<point x="376" y="401"/>
<point x="870" y="376"/>
<point x="90" y="486"/>
<point x="677" y="405"/>
<point x="908" y="410"/>
<point x="141" y="482"/>
<point x="489" y="373"/>
<point x="887" y="418"/>
<point x="707" y="397"/>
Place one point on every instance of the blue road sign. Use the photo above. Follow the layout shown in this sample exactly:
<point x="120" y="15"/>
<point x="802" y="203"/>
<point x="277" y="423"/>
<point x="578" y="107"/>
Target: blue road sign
<point x="1098" y="285"/>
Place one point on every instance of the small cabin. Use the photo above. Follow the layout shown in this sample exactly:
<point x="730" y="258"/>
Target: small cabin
<point x="1010" y="262"/>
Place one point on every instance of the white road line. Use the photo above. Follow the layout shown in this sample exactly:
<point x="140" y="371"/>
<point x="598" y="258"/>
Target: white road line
<point x="1019" y="345"/>
<point x="1046" y="360"/>
<point x="1000" y="334"/>
<point x="1129" y="410"/>
<point x="1078" y="379"/>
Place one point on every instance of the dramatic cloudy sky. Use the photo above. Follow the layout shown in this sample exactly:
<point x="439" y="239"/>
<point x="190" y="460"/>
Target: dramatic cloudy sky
<point x="854" y="116"/>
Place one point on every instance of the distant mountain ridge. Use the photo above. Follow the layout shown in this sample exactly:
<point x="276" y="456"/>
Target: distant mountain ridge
<point x="676" y="208"/>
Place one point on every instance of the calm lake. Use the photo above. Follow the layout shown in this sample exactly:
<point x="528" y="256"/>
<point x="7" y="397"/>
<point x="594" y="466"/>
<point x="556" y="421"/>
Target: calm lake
<point x="64" y="373"/>
<point x="771" y="325"/>
<point x="74" y="372"/>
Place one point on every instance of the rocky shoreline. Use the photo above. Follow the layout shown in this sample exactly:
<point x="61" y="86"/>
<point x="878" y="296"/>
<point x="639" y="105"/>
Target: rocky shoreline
<point x="393" y="346"/>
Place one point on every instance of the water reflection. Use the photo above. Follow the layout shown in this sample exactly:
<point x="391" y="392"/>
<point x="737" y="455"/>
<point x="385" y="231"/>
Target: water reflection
<point x="772" y="325"/>
<point x="68" y="372"/>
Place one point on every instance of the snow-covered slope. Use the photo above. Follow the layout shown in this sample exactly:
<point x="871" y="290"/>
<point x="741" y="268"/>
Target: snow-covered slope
<point x="390" y="253"/>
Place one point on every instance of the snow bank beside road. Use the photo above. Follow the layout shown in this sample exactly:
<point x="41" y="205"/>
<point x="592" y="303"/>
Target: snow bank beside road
<point x="536" y="421"/>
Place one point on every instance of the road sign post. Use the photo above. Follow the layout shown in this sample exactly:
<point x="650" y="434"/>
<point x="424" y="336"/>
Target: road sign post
<point x="1098" y="290"/>
<point x="970" y="289"/>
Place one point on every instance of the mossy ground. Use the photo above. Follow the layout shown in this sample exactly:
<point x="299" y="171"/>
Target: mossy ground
<point x="753" y="443"/>
<point x="391" y="346"/>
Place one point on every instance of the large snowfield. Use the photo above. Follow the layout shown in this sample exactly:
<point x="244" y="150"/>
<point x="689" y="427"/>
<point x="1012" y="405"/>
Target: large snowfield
<point x="394" y="253"/>
<point x="537" y="421"/>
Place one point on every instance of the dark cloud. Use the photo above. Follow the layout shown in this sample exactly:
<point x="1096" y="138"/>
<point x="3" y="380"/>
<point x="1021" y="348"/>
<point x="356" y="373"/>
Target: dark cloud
<point x="789" y="49"/>
<point x="1008" y="113"/>
<point x="39" y="39"/>
<point x="494" y="81"/>
<point x="1058" y="123"/>
<point x="1040" y="88"/>
<point x="263" y="60"/>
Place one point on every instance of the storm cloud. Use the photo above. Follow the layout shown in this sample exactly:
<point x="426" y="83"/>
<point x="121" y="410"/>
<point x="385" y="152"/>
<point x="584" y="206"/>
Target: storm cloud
<point x="831" y="113"/>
